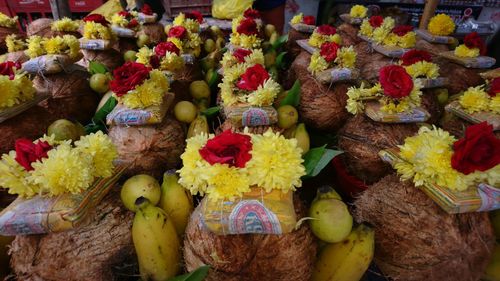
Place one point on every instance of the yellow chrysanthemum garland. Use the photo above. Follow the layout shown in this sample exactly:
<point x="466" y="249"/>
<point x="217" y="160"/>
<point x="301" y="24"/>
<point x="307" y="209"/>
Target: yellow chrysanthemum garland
<point x="243" y="40"/>
<point x="406" y="41"/>
<point x="426" y="158"/>
<point x="65" y="24"/>
<point x="276" y="164"/>
<point x="441" y="25"/>
<point x="149" y="93"/>
<point x="475" y="99"/>
<point x="170" y="62"/>
<point x="190" y="24"/>
<point x="346" y="58"/>
<point x="297" y="18"/>
<point x="377" y="34"/>
<point x="423" y="69"/>
<point x="122" y="21"/>
<point x="358" y="11"/>
<point x="94" y="30"/>
<point x="67" y="44"/>
<point x="67" y="169"/>
<point x="6" y="21"/>
<point x="317" y="39"/>
<point x="466" y="52"/>
<point x="15" y="91"/>
<point x="256" y="57"/>
<point x="14" y="44"/>
<point x="230" y="94"/>
<point x="356" y="96"/>
<point x="191" y="44"/>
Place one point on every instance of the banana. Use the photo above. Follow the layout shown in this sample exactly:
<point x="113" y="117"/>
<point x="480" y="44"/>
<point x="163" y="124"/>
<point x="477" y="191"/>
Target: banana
<point x="302" y="137"/>
<point x="156" y="242"/>
<point x="176" y="201"/>
<point x="347" y="260"/>
<point x="198" y="126"/>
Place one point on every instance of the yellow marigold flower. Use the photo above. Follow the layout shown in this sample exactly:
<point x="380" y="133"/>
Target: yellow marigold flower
<point x="25" y="88"/>
<point x="228" y="60"/>
<point x="346" y="57"/>
<point x="14" y="44"/>
<point x="193" y="41"/>
<point x="297" y="18"/>
<point x="256" y="57"/>
<point x="441" y="25"/>
<point x="265" y="94"/>
<point x="192" y="25"/>
<point x="171" y="62"/>
<point x="408" y="40"/>
<point x="194" y="173"/>
<point x="7" y="21"/>
<point x="355" y="97"/>
<point x="317" y="63"/>
<point x="226" y="183"/>
<point x="119" y="20"/>
<point x="366" y="29"/>
<point x="143" y="55"/>
<point x="423" y="69"/>
<point x="465" y="52"/>
<point x="245" y="41"/>
<point x="495" y="104"/>
<point x="381" y="32"/>
<point x="34" y="46"/>
<point x="68" y="44"/>
<point x="405" y="104"/>
<point x="149" y="93"/>
<point x="53" y="45"/>
<point x="179" y="19"/>
<point x="358" y="11"/>
<point x="102" y="150"/>
<point x="177" y="42"/>
<point x="65" y="24"/>
<point x="14" y="177"/>
<point x="10" y="92"/>
<point x="93" y="30"/>
<point x="317" y="39"/>
<point x="475" y="99"/>
<point x="235" y="23"/>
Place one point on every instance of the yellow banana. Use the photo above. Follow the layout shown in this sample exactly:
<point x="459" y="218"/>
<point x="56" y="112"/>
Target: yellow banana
<point x="302" y="137"/>
<point x="198" y="126"/>
<point x="347" y="260"/>
<point x="176" y="201"/>
<point x="156" y="242"/>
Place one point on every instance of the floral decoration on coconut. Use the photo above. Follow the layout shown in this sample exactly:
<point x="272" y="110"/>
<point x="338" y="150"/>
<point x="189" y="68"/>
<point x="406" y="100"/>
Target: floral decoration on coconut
<point x="324" y="33"/>
<point x="6" y="21"/>
<point x="478" y="99"/>
<point x="300" y="18"/>
<point x="358" y="11"/>
<point x="433" y="156"/>
<point x="47" y="167"/>
<point x="184" y="34"/>
<point x="377" y="28"/>
<point x="248" y="85"/>
<point x="14" y="43"/>
<point x="245" y="33"/>
<point x="228" y="165"/>
<point x="138" y="86"/>
<point x="165" y="56"/>
<point x="401" y="36"/>
<point x="418" y="63"/>
<point x="396" y="91"/>
<point x="15" y="86"/>
<point x="332" y="55"/>
<point x="59" y="45"/>
<point x="472" y="47"/>
<point x="97" y="27"/>
<point x="65" y="25"/>
<point x="441" y="25"/>
<point x="238" y="56"/>
<point x="126" y="19"/>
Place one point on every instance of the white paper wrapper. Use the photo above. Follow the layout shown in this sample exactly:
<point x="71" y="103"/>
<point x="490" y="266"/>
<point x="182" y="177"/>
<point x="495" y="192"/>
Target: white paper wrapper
<point x="433" y="83"/>
<point x="477" y="62"/>
<point x="354" y="21"/>
<point x="123" y="32"/>
<point x="47" y="64"/>
<point x="142" y="18"/>
<point x="476" y="117"/>
<point x="333" y="75"/>
<point x="389" y="51"/>
<point x="304" y="44"/>
<point x="10" y="112"/>
<point x="417" y="115"/>
<point x="305" y="28"/>
<point x="94" y="44"/>
<point x="427" y="36"/>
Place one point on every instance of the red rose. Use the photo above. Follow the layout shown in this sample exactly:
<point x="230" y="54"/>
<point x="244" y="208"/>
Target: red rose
<point x="177" y="32"/>
<point x="494" y="87"/>
<point x="329" y="51"/>
<point x="127" y="77"/>
<point x="309" y="20"/>
<point x="240" y="54"/>
<point x="479" y="150"/>
<point x="247" y="26"/>
<point x="326" y="29"/>
<point x="414" y="56"/>
<point x="132" y="23"/>
<point x="395" y="81"/>
<point x="473" y="40"/>
<point x="401" y="30"/>
<point x="96" y="18"/>
<point x="146" y="9"/>
<point x="253" y="77"/>
<point x="228" y="148"/>
<point x="251" y="13"/>
<point x="164" y="47"/>
<point x="124" y="14"/>
<point x="195" y="15"/>
<point x="7" y="69"/>
<point x="376" y="21"/>
<point x="154" y="61"/>
<point x="27" y="152"/>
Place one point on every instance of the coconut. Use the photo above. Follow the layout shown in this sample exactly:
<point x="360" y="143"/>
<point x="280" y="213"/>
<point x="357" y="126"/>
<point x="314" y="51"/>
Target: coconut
<point x="126" y="44"/>
<point x="415" y="240"/>
<point x="459" y="77"/>
<point x="150" y="149"/>
<point x="19" y="56"/>
<point x="182" y="80"/>
<point x="431" y="104"/>
<point x="110" y="58"/>
<point x="361" y="139"/>
<point x="291" y="45"/>
<point x="100" y="250"/>
<point x="155" y="32"/>
<point x="349" y="34"/>
<point x="369" y="62"/>
<point x="250" y="257"/>
<point x="41" y="27"/>
<point x="431" y="47"/>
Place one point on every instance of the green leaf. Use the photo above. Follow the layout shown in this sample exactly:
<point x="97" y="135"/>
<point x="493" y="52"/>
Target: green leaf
<point x="211" y="111"/>
<point x="293" y="96"/>
<point x="198" y="275"/>
<point x="213" y="79"/>
<point x="97" y="67"/>
<point x="99" y="120"/>
<point x="317" y="158"/>
<point x="280" y="62"/>
<point x="281" y="40"/>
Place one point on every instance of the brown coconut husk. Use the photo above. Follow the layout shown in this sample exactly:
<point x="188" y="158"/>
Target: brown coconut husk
<point x="431" y="104"/>
<point x="349" y="34"/>
<point x="454" y="124"/>
<point x="155" y="31"/>
<point x="101" y="250"/>
<point x="291" y="45"/>
<point x="182" y="80"/>
<point x="19" y="56"/>
<point x="127" y="44"/>
<point x="110" y="58"/>
<point x="415" y="240"/>
<point x="361" y="139"/>
<point x="369" y="62"/>
<point x="250" y="257"/>
<point x="459" y="77"/>
<point x="258" y="130"/>
<point x="150" y="149"/>
<point x="72" y="97"/>
<point x="431" y="47"/>
<point x="4" y="32"/>
<point x="41" y="27"/>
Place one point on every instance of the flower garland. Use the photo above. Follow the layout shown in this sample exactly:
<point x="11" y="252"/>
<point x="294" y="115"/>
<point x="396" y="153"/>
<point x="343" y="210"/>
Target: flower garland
<point x="300" y="18"/>
<point x="184" y="34"/>
<point x="476" y="99"/>
<point x="6" y="21"/>
<point x="49" y="168"/>
<point x="324" y="33"/>
<point x="164" y="56"/>
<point x="401" y="36"/>
<point x="97" y="27"/>
<point x="65" y="24"/>
<point x="66" y="44"/>
<point x="472" y="47"/>
<point x="15" y="86"/>
<point x="247" y="57"/>
<point x="433" y="156"/>
<point x="441" y="25"/>
<point x="188" y="21"/>
<point x="330" y="55"/>
<point x="248" y="85"/>
<point x="377" y="28"/>
<point x="358" y="11"/>
<point x="14" y="44"/>
<point x="419" y="64"/>
<point x="245" y="33"/>
<point x="396" y="91"/>
<point x="226" y="166"/>
<point x="137" y="86"/>
<point x="126" y="19"/>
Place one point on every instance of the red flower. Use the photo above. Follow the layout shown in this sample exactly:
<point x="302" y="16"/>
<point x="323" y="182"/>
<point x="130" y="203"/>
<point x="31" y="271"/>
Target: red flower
<point x="395" y="81"/>
<point x="479" y="150"/>
<point x="124" y="14"/>
<point x="127" y="77"/>
<point x="96" y="18"/>
<point x="132" y="23"/>
<point x="473" y="40"/>
<point x="414" y="56"/>
<point x="228" y="148"/>
<point x="7" y="68"/>
<point x="309" y="20"/>
<point x="253" y="77"/>
<point x="401" y="30"/>
<point x="376" y="21"/>
<point x="329" y="51"/>
<point x="195" y="15"/>
<point x="247" y="26"/>
<point x="240" y="54"/>
<point x="27" y="152"/>
<point x="326" y="29"/>
<point x="146" y="9"/>
<point x="164" y="47"/>
<point x="177" y="32"/>
<point x="494" y="87"/>
<point x="251" y="13"/>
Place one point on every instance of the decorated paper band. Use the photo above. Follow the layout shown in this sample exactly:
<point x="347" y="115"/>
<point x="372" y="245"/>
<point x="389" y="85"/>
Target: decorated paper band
<point x="247" y="116"/>
<point x="476" y="117"/>
<point x="47" y="64"/>
<point x="433" y="83"/>
<point x="389" y="51"/>
<point x="427" y="36"/>
<point x="10" y="112"/>
<point x="416" y="115"/>
<point x="477" y="62"/>
<point x="347" y="19"/>
<point x="304" y="44"/>
<point x="94" y="44"/>
<point x="188" y="58"/>
<point x="123" y="32"/>
<point x="147" y="18"/>
<point x="337" y="75"/>
<point x="306" y="28"/>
